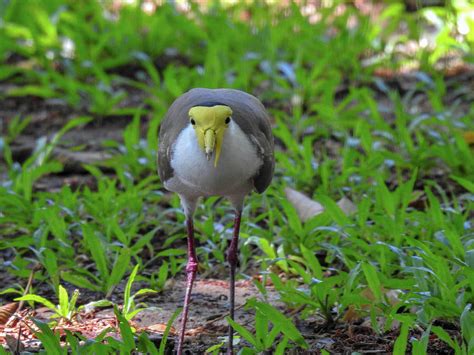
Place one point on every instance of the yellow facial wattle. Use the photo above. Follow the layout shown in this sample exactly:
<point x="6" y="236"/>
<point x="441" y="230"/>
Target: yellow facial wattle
<point x="210" y="123"/>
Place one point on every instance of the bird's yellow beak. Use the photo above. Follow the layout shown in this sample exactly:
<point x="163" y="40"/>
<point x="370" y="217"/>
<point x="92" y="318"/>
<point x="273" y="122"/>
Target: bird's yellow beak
<point x="210" y="123"/>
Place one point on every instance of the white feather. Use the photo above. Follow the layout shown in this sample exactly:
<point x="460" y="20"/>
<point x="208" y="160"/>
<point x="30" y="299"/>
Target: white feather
<point x="195" y="176"/>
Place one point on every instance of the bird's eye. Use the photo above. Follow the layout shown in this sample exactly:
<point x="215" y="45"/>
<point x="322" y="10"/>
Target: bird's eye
<point x="227" y="120"/>
<point x="193" y="122"/>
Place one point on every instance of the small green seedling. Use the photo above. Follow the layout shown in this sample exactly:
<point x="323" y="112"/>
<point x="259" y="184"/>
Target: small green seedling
<point x="265" y="336"/>
<point x="66" y="309"/>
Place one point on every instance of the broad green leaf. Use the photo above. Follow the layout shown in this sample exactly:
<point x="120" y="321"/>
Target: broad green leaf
<point x="125" y="331"/>
<point x="261" y="329"/>
<point x="145" y="345"/>
<point x="468" y="185"/>
<point x="171" y="252"/>
<point x="243" y="332"/>
<point x="48" y="339"/>
<point x="372" y="279"/>
<point x="128" y="288"/>
<point x="285" y="324"/>
<point x="401" y="342"/>
<point x="130" y="315"/>
<point x="94" y="304"/>
<point x="420" y="346"/>
<point x="38" y="299"/>
<point x="120" y="267"/>
<point x="269" y="340"/>
<point x="467" y="325"/>
<point x="97" y="250"/>
<point x="73" y="343"/>
<point x="281" y="347"/>
<point x="312" y="261"/>
<point x="79" y="280"/>
<point x="164" y="339"/>
<point x="144" y="291"/>
<point x="63" y="301"/>
<point x="444" y="336"/>
<point x="72" y="303"/>
<point x="332" y="209"/>
<point x="215" y="349"/>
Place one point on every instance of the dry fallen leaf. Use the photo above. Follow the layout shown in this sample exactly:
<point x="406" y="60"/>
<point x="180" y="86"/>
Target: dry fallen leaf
<point x="347" y="206"/>
<point x="392" y="296"/>
<point x="14" y="344"/>
<point x="196" y="331"/>
<point x="308" y="208"/>
<point x="160" y="328"/>
<point x="305" y="207"/>
<point x="381" y="322"/>
<point x="351" y="315"/>
<point x="7" y="311"/>
<point x="469" y="137"/>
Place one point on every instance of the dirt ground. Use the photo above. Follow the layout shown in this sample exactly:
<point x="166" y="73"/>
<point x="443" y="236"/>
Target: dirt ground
<point x="207" y="326"/>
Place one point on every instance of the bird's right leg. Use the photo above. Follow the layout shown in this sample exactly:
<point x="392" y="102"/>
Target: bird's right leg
<point x="191" y="269"/>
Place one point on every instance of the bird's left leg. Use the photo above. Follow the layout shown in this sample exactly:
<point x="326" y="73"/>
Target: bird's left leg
<point x="232" y="259"/>
<point x="191" y="267"/>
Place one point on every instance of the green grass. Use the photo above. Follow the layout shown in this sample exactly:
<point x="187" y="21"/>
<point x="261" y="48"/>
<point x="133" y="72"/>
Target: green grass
<point x="340" y="131"/>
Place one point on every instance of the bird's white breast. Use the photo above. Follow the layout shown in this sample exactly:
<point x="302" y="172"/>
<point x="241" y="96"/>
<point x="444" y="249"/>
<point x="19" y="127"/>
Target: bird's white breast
<point x="194" y="175"/>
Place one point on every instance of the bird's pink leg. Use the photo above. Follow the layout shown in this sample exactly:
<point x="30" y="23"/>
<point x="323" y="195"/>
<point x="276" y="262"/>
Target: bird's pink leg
<point x="191" y="269"/>
<point x="232" y="259"/>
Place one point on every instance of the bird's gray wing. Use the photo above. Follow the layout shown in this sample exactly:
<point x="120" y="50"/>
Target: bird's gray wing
<point x="253" y="119"/>
<point x="173" y="123"/>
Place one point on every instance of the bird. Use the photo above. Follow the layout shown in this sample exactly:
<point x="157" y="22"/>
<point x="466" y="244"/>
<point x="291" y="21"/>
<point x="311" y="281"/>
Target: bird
<point x="214" y="142"/>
